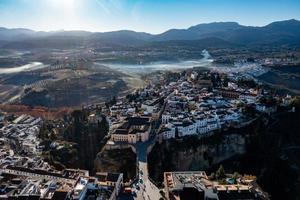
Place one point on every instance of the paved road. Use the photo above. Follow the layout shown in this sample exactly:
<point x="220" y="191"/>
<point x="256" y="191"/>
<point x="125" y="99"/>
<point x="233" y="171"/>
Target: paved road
<point x="148" y="191"/>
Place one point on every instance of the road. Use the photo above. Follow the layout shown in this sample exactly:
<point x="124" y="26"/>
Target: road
<point x="147" y="191"/>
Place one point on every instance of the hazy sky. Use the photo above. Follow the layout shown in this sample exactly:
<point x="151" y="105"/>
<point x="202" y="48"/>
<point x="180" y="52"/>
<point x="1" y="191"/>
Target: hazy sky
<point x="152" y="16"/>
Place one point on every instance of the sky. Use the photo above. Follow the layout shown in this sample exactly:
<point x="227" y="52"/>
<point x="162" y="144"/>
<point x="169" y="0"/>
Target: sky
<point x="153" y="16"/>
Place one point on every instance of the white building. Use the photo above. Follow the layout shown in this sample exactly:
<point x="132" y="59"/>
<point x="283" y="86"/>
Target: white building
<point x="136" y="129"/>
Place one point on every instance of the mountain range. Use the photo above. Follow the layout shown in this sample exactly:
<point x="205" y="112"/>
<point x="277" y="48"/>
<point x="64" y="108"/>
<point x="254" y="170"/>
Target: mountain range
<point x="218" y="33"/>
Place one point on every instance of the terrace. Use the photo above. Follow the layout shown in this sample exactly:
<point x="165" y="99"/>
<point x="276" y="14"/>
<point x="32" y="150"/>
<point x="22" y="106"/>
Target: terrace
<point x="177" y="183"/>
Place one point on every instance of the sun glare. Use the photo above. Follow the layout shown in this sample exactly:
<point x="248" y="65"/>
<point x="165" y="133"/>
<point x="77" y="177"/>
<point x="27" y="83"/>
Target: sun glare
<point x="67" y="12"/>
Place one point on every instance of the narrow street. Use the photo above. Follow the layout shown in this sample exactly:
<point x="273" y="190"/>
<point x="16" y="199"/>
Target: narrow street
<point x="148" y="191"/>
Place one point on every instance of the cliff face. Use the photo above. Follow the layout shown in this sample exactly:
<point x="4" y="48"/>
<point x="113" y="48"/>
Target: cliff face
<point x="192" y="153"/>
<point x="273" y="156"/>
<point x="75" y="143"/>
<point x="117" y="160"/>
<point x="206" y="155"/>
<point x="88" y="138"/>
<point x="268" y="148"/>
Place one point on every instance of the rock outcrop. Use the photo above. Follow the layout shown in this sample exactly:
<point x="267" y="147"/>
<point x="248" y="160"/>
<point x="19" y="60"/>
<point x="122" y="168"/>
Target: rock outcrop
<point x="192" y="153"/>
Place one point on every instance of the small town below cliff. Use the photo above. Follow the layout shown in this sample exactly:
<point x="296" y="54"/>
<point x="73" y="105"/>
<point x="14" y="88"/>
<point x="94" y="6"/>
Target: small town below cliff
<point x="193" y="134"/>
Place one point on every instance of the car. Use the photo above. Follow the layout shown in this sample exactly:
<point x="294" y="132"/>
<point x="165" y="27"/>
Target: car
<point x="133" y="193"/>
<point x="127" y="190"/>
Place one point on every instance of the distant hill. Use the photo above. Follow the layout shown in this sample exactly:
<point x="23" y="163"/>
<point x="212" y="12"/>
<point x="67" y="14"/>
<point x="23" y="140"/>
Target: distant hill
<point x="15" y="34"/>
<point x="283" y="32"/>
<point x="218" y="33"/>
<point x="216" y="29"/>
<point x="123" y="37"/>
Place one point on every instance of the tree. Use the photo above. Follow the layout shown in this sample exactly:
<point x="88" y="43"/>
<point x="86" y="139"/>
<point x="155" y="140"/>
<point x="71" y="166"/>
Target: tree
<point x="53" y="136"/>
<point x="103" y="126"/>
<point x="176" y="132"/>
<point x="212" y="176"/>
<point x="235" y="175"/>
<point x="161" y="101"/>
<point x="220" y="173"/>
<point x="249" y="110"/>
<point x="114" y="100"/>
<point x="162" y="193"/>
<point x="296" y="102"/>
<point x="246" y="83"/>
<point x="225" y="81"/>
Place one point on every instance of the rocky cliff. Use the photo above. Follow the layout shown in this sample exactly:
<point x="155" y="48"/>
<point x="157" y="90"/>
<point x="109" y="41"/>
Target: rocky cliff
<point x="267" y="148"/>
<point x="76" y="143"/>
<point x="192" y="153"/>
<point x="117" y="160"/>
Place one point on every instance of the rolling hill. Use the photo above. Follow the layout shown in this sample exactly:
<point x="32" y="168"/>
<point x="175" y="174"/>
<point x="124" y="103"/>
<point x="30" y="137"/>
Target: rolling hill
<point x="277" y="33"/>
